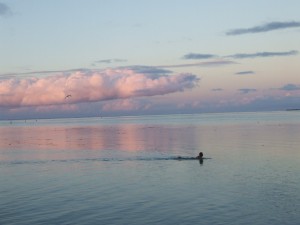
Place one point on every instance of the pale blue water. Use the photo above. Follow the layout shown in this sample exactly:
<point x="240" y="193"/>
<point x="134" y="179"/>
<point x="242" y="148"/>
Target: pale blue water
<point x="124" y="171"/>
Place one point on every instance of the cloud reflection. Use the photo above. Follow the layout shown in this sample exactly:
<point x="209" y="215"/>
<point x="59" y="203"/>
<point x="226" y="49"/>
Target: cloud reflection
<point x="63" y="142"/>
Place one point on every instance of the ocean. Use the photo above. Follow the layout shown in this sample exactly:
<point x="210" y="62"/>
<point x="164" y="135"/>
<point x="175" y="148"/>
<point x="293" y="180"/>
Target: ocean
<point x="125" y="170"/>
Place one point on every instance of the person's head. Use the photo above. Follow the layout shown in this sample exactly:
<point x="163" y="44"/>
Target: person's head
<point x="201" y="154"/>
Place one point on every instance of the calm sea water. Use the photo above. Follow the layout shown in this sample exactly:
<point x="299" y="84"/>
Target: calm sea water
<point x="124" y="170"/>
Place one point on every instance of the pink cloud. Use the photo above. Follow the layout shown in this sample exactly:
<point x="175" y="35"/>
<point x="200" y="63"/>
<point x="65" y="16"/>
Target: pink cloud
<point x="88" y="86"/>
<point x="42" y="109"/>
<point x="125" y="105"/>
<point x="66" y="108"/>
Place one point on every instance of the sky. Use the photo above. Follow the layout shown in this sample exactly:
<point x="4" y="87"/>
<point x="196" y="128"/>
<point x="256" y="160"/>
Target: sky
<point x="83" y="58"/>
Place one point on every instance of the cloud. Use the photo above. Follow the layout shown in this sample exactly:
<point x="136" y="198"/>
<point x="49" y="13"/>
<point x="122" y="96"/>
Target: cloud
<point x="107" y="61"/>
<point x="125" y="105"/>
<point x="147" y="69"/>
<point x="290" y="87"/>
<point x="89" y="86"/>
<point x="4" y="9"/>
<point x="264" y="28"/>
<point x="40" y="72"/>
<point x="217" y="89"/>
<point x="209" y="63"/>
<point x="53" y="108"/>
<point x="198" y="56"/>
<point x="245" y="72"/>
<point x="263" y="54"/>
<point x="159" y="70"/>
<point x="247" y="90"/>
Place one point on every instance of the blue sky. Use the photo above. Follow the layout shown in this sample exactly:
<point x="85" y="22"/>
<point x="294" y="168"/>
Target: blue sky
<point x="176" y="57"/>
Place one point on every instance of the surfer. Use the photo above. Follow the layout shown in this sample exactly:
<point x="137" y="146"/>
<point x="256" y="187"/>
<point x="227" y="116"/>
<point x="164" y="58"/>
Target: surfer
<point x="200" y="156"/>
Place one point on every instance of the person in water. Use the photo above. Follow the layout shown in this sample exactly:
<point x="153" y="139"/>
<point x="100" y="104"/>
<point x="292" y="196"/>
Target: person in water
<point x="200" y="156"/>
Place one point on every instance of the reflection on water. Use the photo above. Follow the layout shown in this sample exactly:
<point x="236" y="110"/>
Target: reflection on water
<point x="125" y="137"/>
<point x="94" y="141"/>
<point x="201" y="161"/>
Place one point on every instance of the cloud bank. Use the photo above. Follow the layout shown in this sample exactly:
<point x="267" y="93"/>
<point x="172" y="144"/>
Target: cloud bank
<point x="264" y="28"/>
<point x="89" y="86"/>
<point x="262" y="54"/>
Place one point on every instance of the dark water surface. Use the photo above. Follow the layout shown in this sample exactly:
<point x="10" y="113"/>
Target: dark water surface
<point x="124" y="170"/>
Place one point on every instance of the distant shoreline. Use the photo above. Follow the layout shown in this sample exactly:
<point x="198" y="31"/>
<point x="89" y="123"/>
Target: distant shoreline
<point x="292" y="109"/>
<point x="138" y="115"/>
